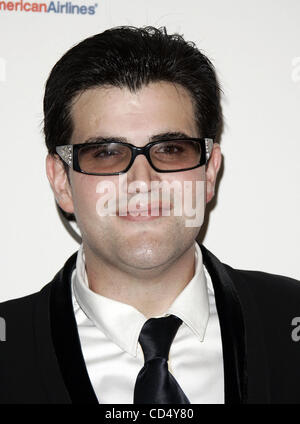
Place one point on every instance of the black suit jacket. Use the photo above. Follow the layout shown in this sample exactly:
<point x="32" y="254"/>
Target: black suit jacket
<point x="41" y="360"/>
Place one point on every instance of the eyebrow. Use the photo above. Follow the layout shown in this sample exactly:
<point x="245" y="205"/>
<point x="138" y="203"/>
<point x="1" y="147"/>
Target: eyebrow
<point x="157" y="137"/>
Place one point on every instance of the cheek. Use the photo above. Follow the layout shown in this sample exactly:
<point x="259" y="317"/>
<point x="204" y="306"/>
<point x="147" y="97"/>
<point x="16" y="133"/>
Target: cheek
<point x="94" y="196"/>
<point x="192" y="184"/>
<point x="194" y="197"/>
<point x="85" y="195"/>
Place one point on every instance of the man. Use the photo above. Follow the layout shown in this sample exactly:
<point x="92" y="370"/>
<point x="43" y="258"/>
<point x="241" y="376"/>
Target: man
<point x="142" y="313"/>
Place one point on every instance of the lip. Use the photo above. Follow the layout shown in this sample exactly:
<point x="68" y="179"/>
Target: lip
<point x="148" y="214"/>
<point x="139" y="217"/>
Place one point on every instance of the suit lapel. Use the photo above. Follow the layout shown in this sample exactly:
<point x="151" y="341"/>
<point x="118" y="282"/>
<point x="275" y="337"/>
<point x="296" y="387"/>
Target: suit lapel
<point x="232" y="330"/>
<point x="47" y="364"/>
<point x="66" y="339"/>
<point x="244" y="351"/>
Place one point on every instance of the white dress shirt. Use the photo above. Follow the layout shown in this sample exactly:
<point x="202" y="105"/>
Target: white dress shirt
<point x="109" y="332"/>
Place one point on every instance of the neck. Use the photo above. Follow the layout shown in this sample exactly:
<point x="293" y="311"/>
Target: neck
<point x="150" y="291"/>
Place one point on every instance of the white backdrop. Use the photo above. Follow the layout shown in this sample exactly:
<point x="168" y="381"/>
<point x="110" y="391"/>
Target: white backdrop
<point x="255" y="47"/>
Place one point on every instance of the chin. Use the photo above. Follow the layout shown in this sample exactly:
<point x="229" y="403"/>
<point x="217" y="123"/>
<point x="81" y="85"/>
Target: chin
<point x="145" y="256"/>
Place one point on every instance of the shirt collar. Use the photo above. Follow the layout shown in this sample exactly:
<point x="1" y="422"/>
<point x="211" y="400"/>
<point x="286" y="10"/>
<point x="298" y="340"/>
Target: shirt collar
<point x="122" y="323"/>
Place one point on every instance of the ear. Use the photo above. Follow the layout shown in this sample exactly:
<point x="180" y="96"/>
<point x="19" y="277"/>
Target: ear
<point x="59" y="182"/>
<point x="212" y="170"/>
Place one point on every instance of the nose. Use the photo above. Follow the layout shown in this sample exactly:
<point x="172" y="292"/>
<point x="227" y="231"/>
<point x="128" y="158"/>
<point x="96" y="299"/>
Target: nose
<point x="142" y="174"/>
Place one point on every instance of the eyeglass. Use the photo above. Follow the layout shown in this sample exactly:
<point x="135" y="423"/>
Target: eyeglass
<point x="114" y="158"/>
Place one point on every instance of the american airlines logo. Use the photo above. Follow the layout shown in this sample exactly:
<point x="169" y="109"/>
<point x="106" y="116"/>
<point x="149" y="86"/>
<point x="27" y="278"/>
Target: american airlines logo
<point x="57" y="7"/>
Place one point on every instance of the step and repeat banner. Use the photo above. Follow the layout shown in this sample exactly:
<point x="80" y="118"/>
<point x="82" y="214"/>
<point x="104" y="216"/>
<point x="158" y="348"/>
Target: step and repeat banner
<point x="255" y="48"/>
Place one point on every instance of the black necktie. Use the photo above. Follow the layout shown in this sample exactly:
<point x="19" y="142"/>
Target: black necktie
<point x="154" y="383"/>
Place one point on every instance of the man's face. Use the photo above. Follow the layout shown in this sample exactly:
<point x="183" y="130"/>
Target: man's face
<point x="128" y="244"/>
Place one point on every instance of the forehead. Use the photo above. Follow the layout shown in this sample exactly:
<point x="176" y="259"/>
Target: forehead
<point x="112" y="111"/>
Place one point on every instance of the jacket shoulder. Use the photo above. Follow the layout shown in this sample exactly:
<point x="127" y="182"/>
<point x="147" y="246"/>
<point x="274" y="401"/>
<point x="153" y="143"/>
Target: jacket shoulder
<point x="257" y="282"/>
<point x="274" y="297"/>
<point x="15" y="307"/>
<point x="274" y="300"/>
<point x="20" y="310"/>
<point x="264" y="284"/>
<point x="12" y="305"/>
<point x="17" y="316"/>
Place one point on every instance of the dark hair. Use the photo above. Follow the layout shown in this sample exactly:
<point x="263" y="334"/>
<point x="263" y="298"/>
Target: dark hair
<point x="130" y="57"/>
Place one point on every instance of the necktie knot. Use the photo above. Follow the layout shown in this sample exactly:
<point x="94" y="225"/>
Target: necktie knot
<point x="157" y="336"/>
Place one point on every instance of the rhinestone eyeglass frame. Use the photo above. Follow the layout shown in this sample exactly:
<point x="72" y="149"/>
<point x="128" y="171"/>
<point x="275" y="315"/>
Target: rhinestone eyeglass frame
<point x="69" y="154"/>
